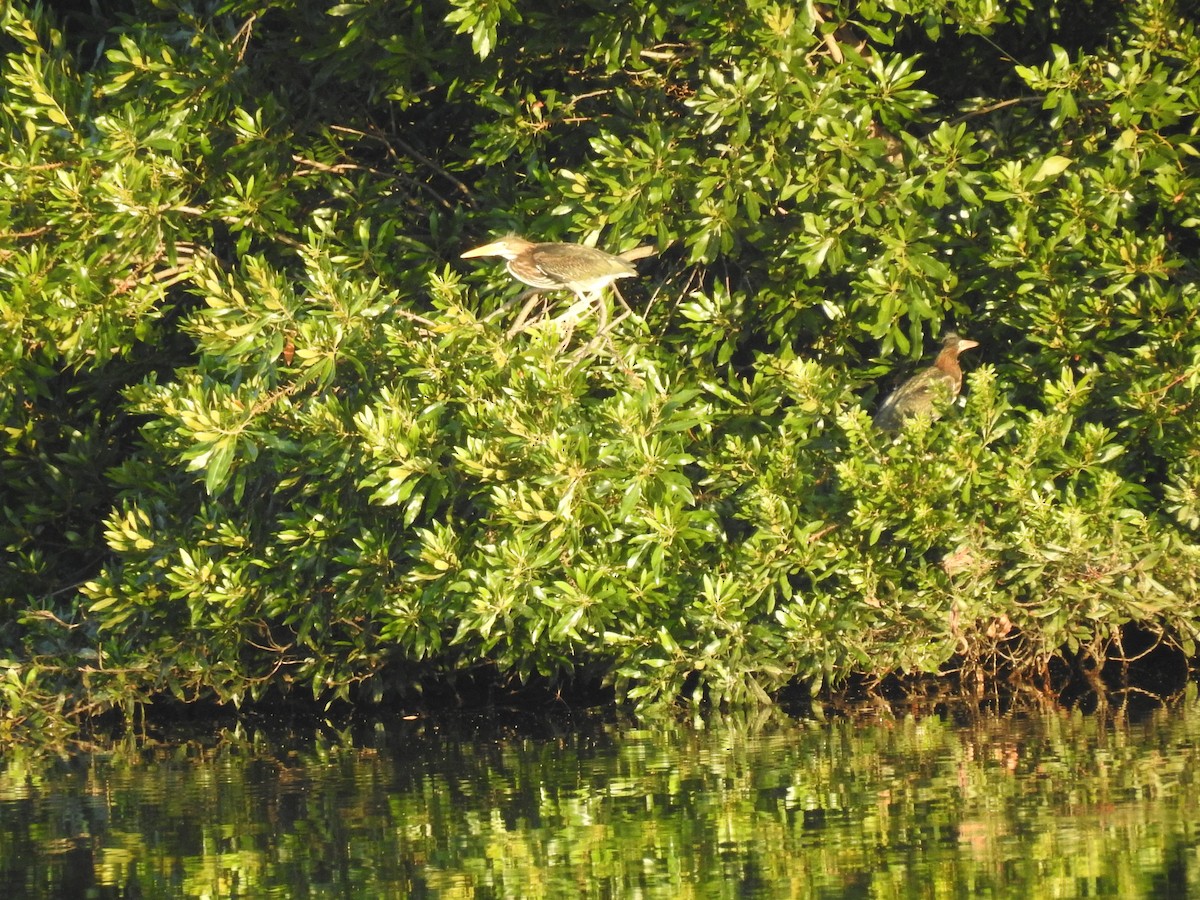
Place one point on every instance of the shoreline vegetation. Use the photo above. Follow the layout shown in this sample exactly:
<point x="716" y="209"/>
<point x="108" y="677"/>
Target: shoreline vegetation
<point x="266" y="437"/>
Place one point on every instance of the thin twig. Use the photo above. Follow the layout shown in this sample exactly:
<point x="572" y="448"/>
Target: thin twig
<point x="508" y="304"/>
<point x="413" y="317"/>
<point x="412" y="152"/>
<point x="243" y="36"/>
<point x="17" y="235"/>
<point x="518" y="324"/>
<point x="991" y="108"/>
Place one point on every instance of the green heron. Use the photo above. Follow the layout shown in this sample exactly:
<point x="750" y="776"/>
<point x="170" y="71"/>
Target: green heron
<point x="929" y="389"/>
<point x="583" y="270"/>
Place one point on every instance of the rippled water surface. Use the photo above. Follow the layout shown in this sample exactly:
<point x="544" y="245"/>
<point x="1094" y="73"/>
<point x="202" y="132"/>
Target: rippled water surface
<point x="1053" y="805"/>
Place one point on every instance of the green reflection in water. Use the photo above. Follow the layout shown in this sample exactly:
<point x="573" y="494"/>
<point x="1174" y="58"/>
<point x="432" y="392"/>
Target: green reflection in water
<point x="1059" y="805"/>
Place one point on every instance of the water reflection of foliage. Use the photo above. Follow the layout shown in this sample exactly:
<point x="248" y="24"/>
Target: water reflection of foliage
<point x="889" y="807"/>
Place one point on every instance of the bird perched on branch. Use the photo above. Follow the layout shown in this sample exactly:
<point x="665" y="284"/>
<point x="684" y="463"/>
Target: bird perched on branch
<point x="550" y="266"/>
<point x="585" y="271"/>
<point x="929" y="390"/>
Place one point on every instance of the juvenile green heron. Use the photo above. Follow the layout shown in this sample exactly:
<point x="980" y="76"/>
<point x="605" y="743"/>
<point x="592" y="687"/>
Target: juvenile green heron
<point x="584" y="270"/>
<point x="929" y="389"/>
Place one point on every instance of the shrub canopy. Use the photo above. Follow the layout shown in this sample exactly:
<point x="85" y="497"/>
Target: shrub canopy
<point x="264" y="431"/>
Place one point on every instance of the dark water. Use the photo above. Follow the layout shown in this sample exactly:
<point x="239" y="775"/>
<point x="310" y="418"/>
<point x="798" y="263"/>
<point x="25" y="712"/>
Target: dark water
<point x="1054" y="805"/>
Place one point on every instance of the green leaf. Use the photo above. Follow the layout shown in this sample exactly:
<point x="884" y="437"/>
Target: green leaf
<point x="1050" y="167"/>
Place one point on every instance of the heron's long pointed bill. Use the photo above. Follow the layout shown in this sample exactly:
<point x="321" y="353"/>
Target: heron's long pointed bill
<point x="496" y="248"/>
<point x="964" y="344"/>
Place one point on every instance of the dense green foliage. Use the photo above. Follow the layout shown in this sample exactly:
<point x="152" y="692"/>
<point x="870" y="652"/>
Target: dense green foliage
<point x="263" y="430"/>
